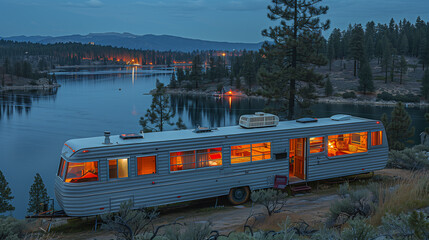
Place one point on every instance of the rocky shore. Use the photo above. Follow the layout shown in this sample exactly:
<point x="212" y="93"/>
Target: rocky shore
<point x="331" y="100"/>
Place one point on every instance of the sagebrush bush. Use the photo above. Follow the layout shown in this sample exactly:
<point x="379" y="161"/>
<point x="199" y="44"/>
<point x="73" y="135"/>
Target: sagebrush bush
<point x="349" y="95"/>
<point x="357" y="202"/>
<point x="11" y="228"/>
<point x="409" y="158"/>
<point x="405" y="226"/>
<point x="358" y="229"/>
<point x="190" y="231"/>
<point x="273" y="200"/>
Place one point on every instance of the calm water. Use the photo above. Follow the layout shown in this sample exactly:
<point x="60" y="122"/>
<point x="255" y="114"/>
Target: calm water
<point x="34" y="125"/>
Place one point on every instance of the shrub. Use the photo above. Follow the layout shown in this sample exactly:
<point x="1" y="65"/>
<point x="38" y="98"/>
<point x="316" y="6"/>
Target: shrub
<point x="349" y="95"/>
<point x="358" y="229"/>
<point x="191" y="231"/>
<point x="354" y="203"/>
<point x="385" y="96"/>
<point x="272" y="200"/>
<point x="406" y="226"/>
<point x="11" y="228"/>
<point x="409" y="158"/>
<point x="128" y="222"/>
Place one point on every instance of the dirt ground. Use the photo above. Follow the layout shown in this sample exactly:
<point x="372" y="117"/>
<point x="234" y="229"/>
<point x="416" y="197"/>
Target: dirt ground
<point x="313" y="208"/>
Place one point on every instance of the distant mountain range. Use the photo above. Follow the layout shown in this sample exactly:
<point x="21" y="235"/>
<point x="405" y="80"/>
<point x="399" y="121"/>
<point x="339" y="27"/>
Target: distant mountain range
<point x="144" y="42"/>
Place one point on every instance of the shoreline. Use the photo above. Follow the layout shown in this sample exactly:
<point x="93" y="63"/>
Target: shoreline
<point x="329" y="100"/>
<point x="29" y="87"/>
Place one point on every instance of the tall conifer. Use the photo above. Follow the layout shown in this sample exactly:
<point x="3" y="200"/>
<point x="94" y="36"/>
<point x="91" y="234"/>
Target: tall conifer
<point x="399" y="129"/>
<point x="5" y="195"/>
<point x="39" y="198"/>
<point x="293" y="49"/>
<point x="365" y="78"/>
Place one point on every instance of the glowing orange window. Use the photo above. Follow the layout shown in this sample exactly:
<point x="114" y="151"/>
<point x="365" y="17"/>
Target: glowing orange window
<point x="209" y="157"/>
<point x="376" y="138"/>
<point x="350" y="143"/>
<point x="61" y="168"/>
<point x="146" y="165"/>
<point x="240" y="154"/>
<point x="82" y="172"/>
<point x="182" y="160"/>
<point x="317" y="144"/>
<point x="261" y="151"/>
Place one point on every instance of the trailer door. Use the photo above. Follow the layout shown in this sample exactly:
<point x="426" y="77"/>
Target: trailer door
<point x="297" y="158"/>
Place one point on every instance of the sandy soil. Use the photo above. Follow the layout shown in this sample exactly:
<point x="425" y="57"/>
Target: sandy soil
<point x="313" y="208"/>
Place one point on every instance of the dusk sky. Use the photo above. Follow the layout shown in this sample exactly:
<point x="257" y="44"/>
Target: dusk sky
<point x="219" y="20"/>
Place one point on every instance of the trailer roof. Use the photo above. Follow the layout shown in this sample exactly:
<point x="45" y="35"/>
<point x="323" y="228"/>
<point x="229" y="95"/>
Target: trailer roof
<point x="85" y="143"/>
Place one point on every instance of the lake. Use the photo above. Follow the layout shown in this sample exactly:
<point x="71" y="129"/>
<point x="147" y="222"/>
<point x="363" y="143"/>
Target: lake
<point x="35" y="124"/>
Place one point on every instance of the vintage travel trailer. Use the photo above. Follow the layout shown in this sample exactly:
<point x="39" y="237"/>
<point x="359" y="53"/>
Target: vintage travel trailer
<point x="96" y="174"/>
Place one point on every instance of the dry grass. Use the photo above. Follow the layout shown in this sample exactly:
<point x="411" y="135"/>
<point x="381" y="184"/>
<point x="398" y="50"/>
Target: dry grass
<point x="406" y="194"/>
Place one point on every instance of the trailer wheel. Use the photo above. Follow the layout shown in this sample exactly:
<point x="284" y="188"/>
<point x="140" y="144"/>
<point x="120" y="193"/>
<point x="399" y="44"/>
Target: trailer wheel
<point x="239" y="195"/>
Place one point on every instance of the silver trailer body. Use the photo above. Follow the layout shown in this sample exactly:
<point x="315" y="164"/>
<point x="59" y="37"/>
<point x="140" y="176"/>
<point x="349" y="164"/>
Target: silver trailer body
<point x="166" y="187"/>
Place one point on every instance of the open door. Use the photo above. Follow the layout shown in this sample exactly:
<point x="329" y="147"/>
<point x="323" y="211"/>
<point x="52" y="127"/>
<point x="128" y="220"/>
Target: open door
<point x="297" y="158"/>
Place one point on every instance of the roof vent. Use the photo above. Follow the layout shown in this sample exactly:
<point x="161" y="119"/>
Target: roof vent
<point x="259" y="119"/>
<point x="203" y="129"/>
<point x="306" y="120"/>
<point x="341" y="117"/>
<point x="107" y="137"/>
<point x="126" y="136"/>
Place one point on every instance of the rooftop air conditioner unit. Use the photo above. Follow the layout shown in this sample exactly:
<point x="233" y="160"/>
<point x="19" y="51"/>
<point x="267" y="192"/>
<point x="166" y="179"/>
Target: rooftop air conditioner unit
<point x="341" y="117"/>
<point x="259" y="119"/>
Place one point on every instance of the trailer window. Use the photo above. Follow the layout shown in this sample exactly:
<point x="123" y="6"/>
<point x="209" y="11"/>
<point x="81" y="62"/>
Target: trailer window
<point x="118" y="168"/>
<point x="317" y="144"/>
<point x="82" y="172"/>
<point x="61" y="168"/>
<point x="241" y="154"/>
<point x="146" y="165"/>
<point x="209" y="157"/>
<point x="250" y="152"/>
<point x="261" y="151"/>
<point x="182" y="160"/>
<point x="343" y="144"/>
<point x="376" y="138"/>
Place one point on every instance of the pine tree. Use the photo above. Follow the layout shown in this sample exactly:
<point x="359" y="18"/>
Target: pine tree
<point x="295" y="44"/>
<point x="5" y="195"/>
<point x="180" y="75"/>
<point x="173" y="82"/>
<point x="180" y="124"/>
<point x="331" y="52"/>
<point x="196" y="73"/>
<point x="427" y="120"/>
<point x="425" y="85"/>
<point x="387" y="57"/>
<point x="328" y="88"/>
<point x="39" y="199"/>
<point x="404" y="44"/>
<point x="160" y="112"/>
<point x="399" y="128"/>
<point x="365" y="78"/>
<point x="369" y="42"/>
<point x="403" y="68"/>
<point x="356" y="45"/>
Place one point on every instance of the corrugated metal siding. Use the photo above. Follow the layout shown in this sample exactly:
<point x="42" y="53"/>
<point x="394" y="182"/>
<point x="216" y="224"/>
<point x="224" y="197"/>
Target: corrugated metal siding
<point x="105" y="195"/>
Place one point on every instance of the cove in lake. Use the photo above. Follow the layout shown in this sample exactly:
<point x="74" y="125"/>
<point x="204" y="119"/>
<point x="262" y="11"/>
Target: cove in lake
<point x="35" y="124"/>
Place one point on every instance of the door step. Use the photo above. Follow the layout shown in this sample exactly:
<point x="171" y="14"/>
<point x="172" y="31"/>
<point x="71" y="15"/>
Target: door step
<point x="299" y="189"/>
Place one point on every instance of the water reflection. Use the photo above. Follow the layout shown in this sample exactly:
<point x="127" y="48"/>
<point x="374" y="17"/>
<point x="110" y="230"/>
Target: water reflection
<point x="20" y="101"/>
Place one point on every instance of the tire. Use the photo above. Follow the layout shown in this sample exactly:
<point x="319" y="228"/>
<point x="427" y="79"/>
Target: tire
<point x="239" y="195"/>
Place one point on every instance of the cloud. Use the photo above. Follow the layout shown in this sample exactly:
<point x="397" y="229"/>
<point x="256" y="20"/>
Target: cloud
<point x="86" y="4"/>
